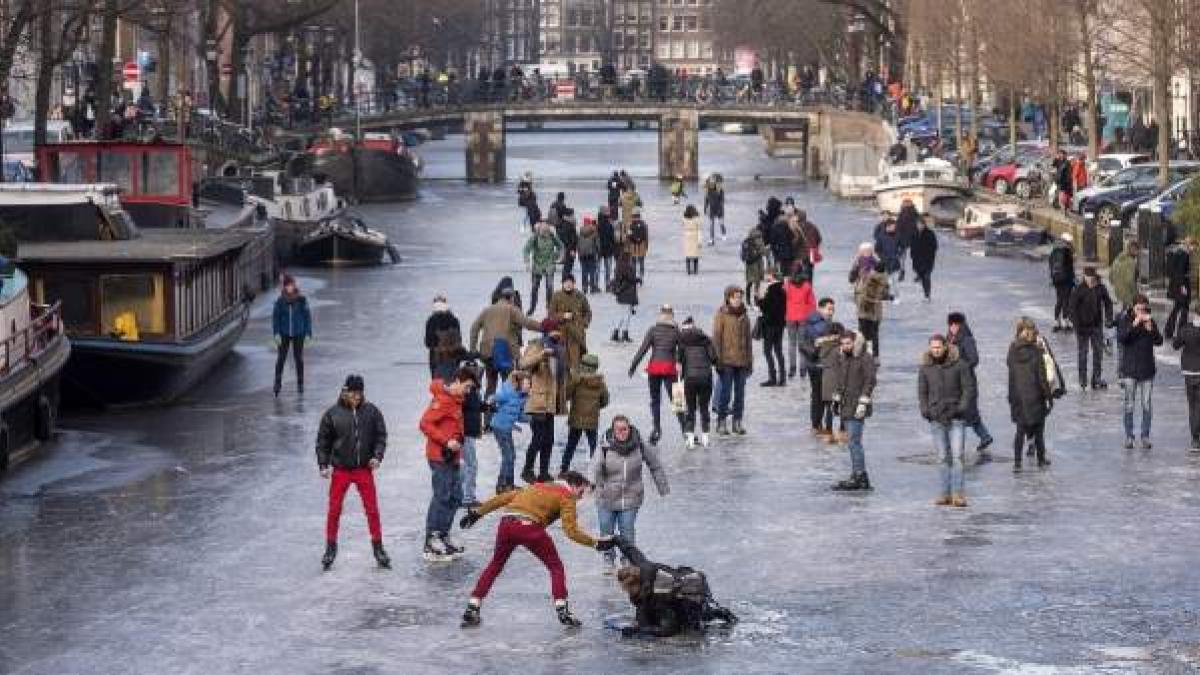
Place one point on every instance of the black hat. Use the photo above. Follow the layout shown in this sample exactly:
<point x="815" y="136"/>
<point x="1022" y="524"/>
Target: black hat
<point x="354" y="383"/>
<point x="568" y="277"/>
<point x="956" y="317"/>
<point x="1089" y="271"/>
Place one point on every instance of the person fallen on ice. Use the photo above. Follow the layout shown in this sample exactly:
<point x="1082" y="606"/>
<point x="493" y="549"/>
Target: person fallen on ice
<point x="668" y="600"/>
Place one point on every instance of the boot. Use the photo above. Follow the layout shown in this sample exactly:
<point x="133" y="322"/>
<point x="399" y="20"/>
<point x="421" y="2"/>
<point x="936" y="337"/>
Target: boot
<point x="792" y="372"/>
<point x="704" y="439"/>
<point x="738" y="428"/>
<point x="655" y="435"/>
<point x="769" y="382"/>
<point x="381" y="556"/>
<point x="625" y="336"/>
<point x="565" y="617"/>
<point x="616" y="336"/>
<point x="1099" y="384"/>
<point x="689" y="440"/>
<point x="528" y="476"/>
<point x="330" y="555"/>
<point x="471" y="617"/>
<point x="276" y="390"/>
<point x="847" y="485"/>
<point x="864" y="481"/>
<point x="958" y="501"/>
<point x="722" y="427"/>
<point x="453" y="549"/>
<point x="435" y="549"/>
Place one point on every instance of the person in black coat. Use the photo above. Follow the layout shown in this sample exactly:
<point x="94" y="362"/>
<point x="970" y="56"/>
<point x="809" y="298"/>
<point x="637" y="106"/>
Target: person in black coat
<point x="906" y="229"/>
<point x="923" y="251"/>
<point x="1179" y="282"/>
<point x="1030" y="396"/>
<point x="668" y="600"/>
<point x="698" y="358"/>
<point x="1139" y="335"/>
<point x="614" y="187"/>
<point x="773" y="304"/>
<point x="1091" y="310"/>
<point x="443" y="339"/>
<point x="1187" y="339"/>
<point x="624" y="286"/>
<point x="1062" y="278"/>
<point x="958" y="333"/>
<point x="606" y="235"/>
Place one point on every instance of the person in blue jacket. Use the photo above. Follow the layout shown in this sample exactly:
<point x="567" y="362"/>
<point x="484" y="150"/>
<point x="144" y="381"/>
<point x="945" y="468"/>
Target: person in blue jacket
<point x="292" y="325"/>
<point x="507" y="414"/>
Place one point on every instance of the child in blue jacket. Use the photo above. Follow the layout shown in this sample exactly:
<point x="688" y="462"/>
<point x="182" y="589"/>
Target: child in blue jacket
<point x="509" y="411"/>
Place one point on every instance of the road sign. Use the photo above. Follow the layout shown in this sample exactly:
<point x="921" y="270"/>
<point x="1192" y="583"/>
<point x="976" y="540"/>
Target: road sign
<point x="564" y="90"/>
<point x="227" y="69"/>
<point x="131" y="72"/>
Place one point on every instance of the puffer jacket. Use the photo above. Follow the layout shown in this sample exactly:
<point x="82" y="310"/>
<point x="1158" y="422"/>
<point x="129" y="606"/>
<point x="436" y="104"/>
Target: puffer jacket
<point x="887" y="248"/>
<point x="588" y="395"/>
<point x="349" y="438"/>
<point x="545" y="363"/>
<point x="542" y="250"/>
<point x="697" y="354"/>
<point x="589" y="242"/>
<point x="1029" y="393"/>
<point x="800" y="301"/>
<point x="945" y="388"/>
<point x="662" y="340"/>
<point x="731" y="336"/>
<point x="441" y="423"/>
<point x="617" y="474"/>
<point x="1137" y="358"/>
<point x="291" y="317"/>
<point x="853" y="376"/>
<point x="510" y="407"/>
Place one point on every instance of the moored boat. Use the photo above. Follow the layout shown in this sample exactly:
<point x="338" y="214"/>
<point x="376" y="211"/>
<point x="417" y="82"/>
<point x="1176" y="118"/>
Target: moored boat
<point x="923" y="183"/>
<point x="380" y="168"/>
<point x="344" y="240"/>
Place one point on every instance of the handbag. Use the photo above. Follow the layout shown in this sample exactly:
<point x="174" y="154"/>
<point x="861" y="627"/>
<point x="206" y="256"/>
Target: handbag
<point x="678" y="401"/>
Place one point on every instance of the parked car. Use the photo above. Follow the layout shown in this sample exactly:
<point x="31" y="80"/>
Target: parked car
<point x="1139" y="182"/>
<point x="1162" y="203"/>
<point x="1108" y="165"/>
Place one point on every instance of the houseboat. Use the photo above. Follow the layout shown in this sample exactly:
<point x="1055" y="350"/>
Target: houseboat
<point x="924" y="183"/>
<point x="344" y="240"/>
<point x="294" y="203"/>
<point x="33" y="353"/>
<point x="380" y="168"/>
<point x="149" y="312"/>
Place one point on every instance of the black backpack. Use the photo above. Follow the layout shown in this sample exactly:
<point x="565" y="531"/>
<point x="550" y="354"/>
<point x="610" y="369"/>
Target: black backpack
<point x="750" y="252"/>
<point x="637" y="232"/>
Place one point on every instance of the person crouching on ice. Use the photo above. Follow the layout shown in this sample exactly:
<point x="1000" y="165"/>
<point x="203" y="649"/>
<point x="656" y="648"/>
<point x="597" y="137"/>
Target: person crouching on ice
<point x="527" y="514"/>
<point x="668" y="600"/>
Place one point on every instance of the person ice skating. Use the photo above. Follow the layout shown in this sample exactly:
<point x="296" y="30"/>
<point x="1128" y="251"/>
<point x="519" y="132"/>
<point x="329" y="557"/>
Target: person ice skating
<point x="827" y="355"/>
<point x="871" y="288"/>
<point x="1030" y="394"/>
<point x="1179" y="283"/>
<point x="562" y="218"/>
<point x="923" y="249"/>
<point x="630" y="203"/>
<point x="735" y="359"/>
<point x="1091" y="310"/>
<point x="589" y="255"/>
<point x="752" y="253"/>
<point x="527" y="514"/>
<point x="677" y="191"/>
<point x="587" y="395"/>
<point x="624" y="286"/>
<point x="958" y="334"/>
<point x="571" y="311"/>
<point x="291" y="323"/>
<point x="1187" y="340"/>
<point x="617" y="476"/>
<point x="472" y="409"/>
<point x="1062" y="278"/>
<point x="509" y="413"/>
<point x="607" y="246"/>
<point x="887" y="253"/>
<point x="637" y="242"/>
<point x="817" y="333"/>
<point x="778" y="235"/>
<point x="442" y="426"/>
<point x="714" y="207"/>
<point x="1138" y="334"/>
<point x="772" y="303"/>
<point x="545" y="361"/>
<point x="542" y="252"/>
<point x="946" y="390"/>
<point x="351" y="440"/>
<point x="853" y="385"/>
<point x="691" y="240"/>
<point x="614" y="192"/>
<point x="800" y="305"/>
<point x="906" y="230"/>
<point x="697" y="357"/>
<point x="661" y="342"/>
<point x="526" y="201"/>
<point x="496" y="336"/>
<point x="667" y="600"/>
<point x="443" y="339"/>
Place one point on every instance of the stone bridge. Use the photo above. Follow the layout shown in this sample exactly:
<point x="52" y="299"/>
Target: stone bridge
<point x="678" y="129"/>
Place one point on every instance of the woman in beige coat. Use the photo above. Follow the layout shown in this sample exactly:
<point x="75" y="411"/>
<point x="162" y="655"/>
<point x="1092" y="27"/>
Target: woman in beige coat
<point x="691" y="239"/>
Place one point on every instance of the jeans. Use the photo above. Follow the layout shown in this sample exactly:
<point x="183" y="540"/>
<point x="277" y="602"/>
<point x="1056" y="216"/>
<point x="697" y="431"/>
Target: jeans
<point x="795" y="329"/>
<point x="611" y="521"/>
<point x="541" y="445"/>
<point x="698" y="394"/>
<point x="608" y="265"/>
<point x="297" y="346"/>
<point x="854" y="429"/>
<point x="573" y="436"/>
<point x="447" y="497"/>
<point x="870" y="333"/>
<point x="469" y="470"/>
<point x="589" y="265"/>
<point x="658" y="384"/>
<point x="1191" y="385"/>
<point x="948" y="441"/>
<point x="733" y="386"/>
<point x="1136" y="393"/>
<point x="537" y="280"/>
<point x="508" y="457"/>
<point x="773" y="350"/>
<point x="1093" y="337"/>
<point x="712" y="227"/>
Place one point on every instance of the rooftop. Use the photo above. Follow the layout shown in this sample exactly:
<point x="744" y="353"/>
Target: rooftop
<point x="155" y="245"/>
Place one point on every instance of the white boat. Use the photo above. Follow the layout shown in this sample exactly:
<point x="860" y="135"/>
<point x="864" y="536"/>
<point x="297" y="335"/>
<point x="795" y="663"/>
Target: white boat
<point x="977" y="216"/>
<point x="921" y="182"/>
<point x="294" y="205"/>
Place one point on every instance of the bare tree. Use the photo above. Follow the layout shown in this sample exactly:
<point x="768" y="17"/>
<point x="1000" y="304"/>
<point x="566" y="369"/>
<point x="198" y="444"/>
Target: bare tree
<point x="62" y="26"/>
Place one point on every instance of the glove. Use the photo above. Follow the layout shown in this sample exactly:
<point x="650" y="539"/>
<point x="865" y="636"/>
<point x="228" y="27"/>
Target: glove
<point x="629" y="631"/>
<point x="606" y="544"/>
<point x="470" y="519"/>
<point x="860" y="412"/>
<point x="447" y="454"/>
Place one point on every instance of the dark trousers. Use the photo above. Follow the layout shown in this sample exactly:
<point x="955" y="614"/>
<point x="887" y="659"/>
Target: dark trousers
<point x="1178" y="316"/>
<point x="784" y="266"/>
<point x="926" y="279"/>
<point x="659" y="383"/>
<point x="297" y="346"/>
<point x="1191" y="384"/>
<point x="1036" y="434"/>
<point x="568" y="266"/>
<point x="639" y="266"/>
<point x="773" y="350"/>
<point x="573" y="436"/>
<point x="698" y="394"/>
<point x="820" y="412"/>
<point x="514" y="532"/>
<point x="541" y="443"/>
<point x="691" y="265"/>
<point x="1094" y="338"/>
<point x="608" y="266"/>
<point x="870" y="333"/>
<point x="1062" y="299"/>
<point x="537" y="280"/>
<point x="590" y="279"/>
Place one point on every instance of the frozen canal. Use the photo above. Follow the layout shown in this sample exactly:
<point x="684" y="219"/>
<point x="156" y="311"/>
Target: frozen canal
<point x="187" y="539"/>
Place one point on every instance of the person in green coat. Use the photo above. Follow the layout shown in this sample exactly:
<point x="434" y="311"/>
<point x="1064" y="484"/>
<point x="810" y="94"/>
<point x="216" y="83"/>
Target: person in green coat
<point x="1123" y="275"/>
<point x="542" y="251"/>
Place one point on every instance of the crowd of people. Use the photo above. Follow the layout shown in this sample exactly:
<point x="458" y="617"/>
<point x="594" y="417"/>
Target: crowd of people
<point x="496" y="380"/>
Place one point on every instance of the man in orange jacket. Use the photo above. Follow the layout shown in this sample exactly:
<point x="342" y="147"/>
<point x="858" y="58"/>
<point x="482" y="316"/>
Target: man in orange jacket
<point x="442" y="424"/>
<point x="527" y="514"/>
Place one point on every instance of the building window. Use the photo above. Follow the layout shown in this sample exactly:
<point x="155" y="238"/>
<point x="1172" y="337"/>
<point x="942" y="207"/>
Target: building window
<point x="663" y="24"/>
<point x="690" y="23"/>
<point x="569" y="45"/>
<point x="619" y="40"/>
<point x="677" y="49"/>
<point x="643" y="41"/>
<point x="693" y="49"/>
<point x="76" y="296"/>
<point x="705" y="22"/>
<point x="664" y="50"/>
<point x="706" y="50"/>
<point x="677" y="23"/>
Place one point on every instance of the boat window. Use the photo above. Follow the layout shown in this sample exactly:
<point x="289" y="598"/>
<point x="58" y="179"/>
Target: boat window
<point x="114" y="168"/>
<point x="307" y="213"/>
<point x="132" y="305"/>
<point x="287" y="209"/>
<point x="322" y="202"/>
<point x="78" y="301"/>
<point x="160" y="173"/>
<point x="933" y="175"/>
<point x="909" y="175"/>
<point x="71" y="167"/>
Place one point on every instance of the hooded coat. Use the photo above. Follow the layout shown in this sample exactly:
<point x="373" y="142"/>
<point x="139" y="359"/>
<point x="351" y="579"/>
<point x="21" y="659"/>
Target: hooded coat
<point x="731" y="336"/>
<point x="852" y="376"/>
<point x="1029" y="393"/>
<point x="638" y="249"/>
<point x="773" y="305"/>
<point x="625" y="283"/>
<point x="291" y="317"/>
<point x="754" y="268"/>
<point x="441" y="423"/>
<point x="543" y="250"/>
<point x="1137" y="358"/>
<point x="946" y="388"/>
<point x="697" y="355"/>
<point x="510" y="407"/>
<point x="714" y="202"/>
<point x="923" y="250"/>
<point x="968" y="351"/>
<point x="800" y="301"/>
<point x="588" y="395"/>
<point x="617" y="472"/>
<point x="544" y="362"/>
<point x="606" y="236"/>
<point x="869" y="294"/>
<point x="574" y="330"/>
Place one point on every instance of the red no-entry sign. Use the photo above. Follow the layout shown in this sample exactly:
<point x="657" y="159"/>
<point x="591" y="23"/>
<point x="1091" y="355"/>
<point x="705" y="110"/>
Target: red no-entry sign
<point x="131" y="72"/>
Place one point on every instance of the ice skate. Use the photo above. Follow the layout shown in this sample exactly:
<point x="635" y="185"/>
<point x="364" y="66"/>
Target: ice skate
<point x="330" y="555"/>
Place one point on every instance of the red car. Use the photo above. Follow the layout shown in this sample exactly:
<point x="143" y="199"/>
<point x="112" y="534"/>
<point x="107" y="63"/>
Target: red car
<point x="1001" y="178"/>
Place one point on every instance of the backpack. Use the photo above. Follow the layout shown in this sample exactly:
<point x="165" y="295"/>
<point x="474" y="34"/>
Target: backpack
<point x="685" y="587"/>
<point x="448" y="343"/>
<point x="502" y="358"/>
<point x="749" y="252"/>
<point x="1059" y="273"/>
<point x="637" y="232"/>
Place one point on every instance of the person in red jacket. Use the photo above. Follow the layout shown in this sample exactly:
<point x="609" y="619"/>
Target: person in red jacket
<point x="442" y="425"/>
<point x="800" y="304"/>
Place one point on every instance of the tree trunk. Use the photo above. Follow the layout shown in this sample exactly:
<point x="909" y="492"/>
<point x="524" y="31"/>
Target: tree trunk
<point x="958" y="128"/>
<point x="973" y="89"/>
<point x="104" y="69"/>
<point x="45" y="75"/>
<point x="1092" y="112"/>
<point x="164" y="60"/>
<point x="1012" y="119"/>
<point x="1163" y="49"/>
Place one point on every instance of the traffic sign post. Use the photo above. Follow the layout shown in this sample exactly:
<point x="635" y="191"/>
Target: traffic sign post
<point x="131" y="73"/>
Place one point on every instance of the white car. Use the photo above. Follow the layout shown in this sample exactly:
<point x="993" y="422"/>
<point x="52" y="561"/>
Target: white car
<point x="1108" y="165"/>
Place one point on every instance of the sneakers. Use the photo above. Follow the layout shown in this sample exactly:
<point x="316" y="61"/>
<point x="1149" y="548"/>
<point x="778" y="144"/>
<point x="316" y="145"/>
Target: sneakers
<point x="435" y="550"/>
<point x="1129" y="442"/>
<point x="471" y="617"/>
<point x="704" y="439"/>
<point x="330" y="555"/>
<point x="453" y="549"/>
<point x="738" y="428"/>
<point x="565" y="617"/>
<point x="689" y="440"/>
<point x="984" y="444"/>
<point x="722" y="427"/>
<point x="856" y="481"/>
<point x="381" y="556"/>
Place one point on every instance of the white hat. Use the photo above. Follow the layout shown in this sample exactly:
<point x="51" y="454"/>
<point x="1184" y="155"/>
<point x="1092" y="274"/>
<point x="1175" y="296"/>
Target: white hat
<point x="1068" y="237"/>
